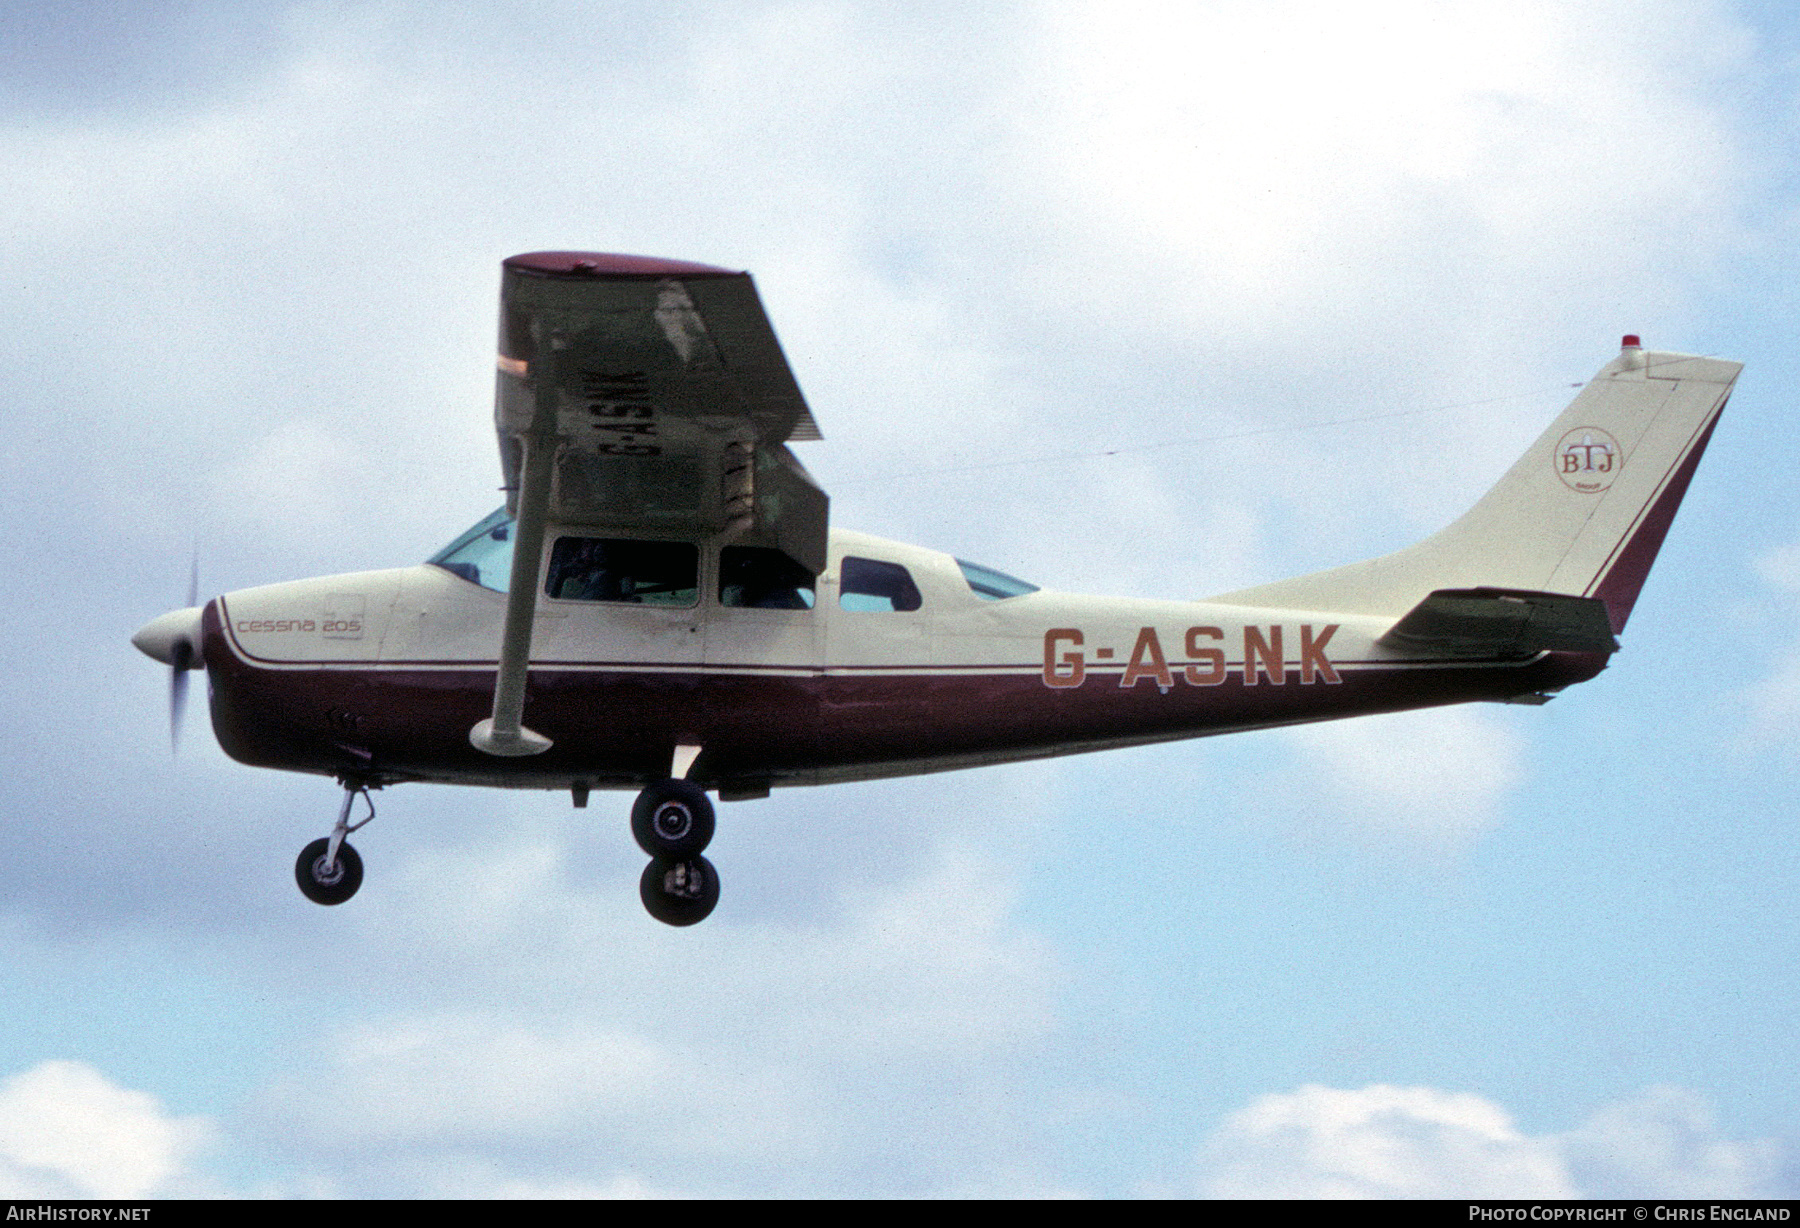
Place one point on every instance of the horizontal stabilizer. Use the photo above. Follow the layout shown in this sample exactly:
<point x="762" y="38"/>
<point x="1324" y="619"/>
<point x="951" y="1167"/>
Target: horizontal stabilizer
<point x="1488" y="623"/>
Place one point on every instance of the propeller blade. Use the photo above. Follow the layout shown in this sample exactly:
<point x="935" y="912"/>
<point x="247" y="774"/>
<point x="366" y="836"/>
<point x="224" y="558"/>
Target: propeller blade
<point x="178" y="678"/>
<point x="178" y="688"/>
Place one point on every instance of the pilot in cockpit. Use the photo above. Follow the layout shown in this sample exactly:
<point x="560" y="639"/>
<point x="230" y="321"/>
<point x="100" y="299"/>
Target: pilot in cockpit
<point x="582" y="572"/>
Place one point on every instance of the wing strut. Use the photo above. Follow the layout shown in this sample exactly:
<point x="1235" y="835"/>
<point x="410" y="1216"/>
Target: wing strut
<point x="504" y="733"/>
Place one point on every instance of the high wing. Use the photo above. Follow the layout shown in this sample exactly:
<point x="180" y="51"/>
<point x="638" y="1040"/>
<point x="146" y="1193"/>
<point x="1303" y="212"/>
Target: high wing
<point x="662" y="391"/>
<point x="644" y="396"/>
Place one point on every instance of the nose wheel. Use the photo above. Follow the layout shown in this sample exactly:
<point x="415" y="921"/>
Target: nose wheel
<point x="672" y="821"/>
<point x="328" y="870"/>
<point x="325" y="880"/>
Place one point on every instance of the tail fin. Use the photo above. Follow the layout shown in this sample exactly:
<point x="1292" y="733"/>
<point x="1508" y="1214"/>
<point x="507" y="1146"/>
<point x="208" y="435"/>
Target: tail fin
<point x="1582" y="513"/>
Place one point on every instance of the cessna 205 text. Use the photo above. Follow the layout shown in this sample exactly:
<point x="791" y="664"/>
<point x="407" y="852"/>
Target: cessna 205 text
<point x="662" y="606"/>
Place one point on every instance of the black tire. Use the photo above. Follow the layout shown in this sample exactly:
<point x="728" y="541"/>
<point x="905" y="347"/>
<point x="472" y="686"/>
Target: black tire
<point x="673" y="820"/>
<point x="320" y="888"/>
<point x="679" y="892"/>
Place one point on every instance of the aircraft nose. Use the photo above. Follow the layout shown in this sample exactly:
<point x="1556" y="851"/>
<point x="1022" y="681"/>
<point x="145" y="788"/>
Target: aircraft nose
<point x="172" y="638"/>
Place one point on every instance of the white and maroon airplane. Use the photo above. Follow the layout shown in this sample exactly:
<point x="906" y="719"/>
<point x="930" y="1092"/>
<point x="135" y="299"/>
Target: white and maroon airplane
<point x="662" y="606"/>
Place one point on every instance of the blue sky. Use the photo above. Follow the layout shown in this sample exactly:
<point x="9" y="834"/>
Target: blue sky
<point x="1048" y="274"/>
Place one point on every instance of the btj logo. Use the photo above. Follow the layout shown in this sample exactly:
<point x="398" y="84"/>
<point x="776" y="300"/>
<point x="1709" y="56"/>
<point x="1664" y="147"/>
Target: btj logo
<point x="1588" y="459"/>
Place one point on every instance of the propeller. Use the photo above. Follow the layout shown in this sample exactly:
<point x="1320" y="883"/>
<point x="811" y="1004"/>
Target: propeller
<point x="185" y="653"/>
<point x="174" y="639"/>
<point x="178" y="689"/>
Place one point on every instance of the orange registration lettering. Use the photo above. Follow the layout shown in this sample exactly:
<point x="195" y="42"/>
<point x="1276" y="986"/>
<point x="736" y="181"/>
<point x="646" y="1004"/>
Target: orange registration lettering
<point x="1313" y="661"/>
<point x="1147" y="661"/>
<point x="1264" y="655"/>
<point x="1074" y="663"/>
<point x="1214" y="673"/>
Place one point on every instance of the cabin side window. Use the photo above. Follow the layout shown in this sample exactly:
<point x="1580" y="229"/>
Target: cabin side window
<point x="869" y="584"/>
<point x="624" y="570"/>
<point x="758" y="578"/>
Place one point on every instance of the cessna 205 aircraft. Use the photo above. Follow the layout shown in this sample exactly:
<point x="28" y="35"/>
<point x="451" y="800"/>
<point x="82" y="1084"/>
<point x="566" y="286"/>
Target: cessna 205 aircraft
<point x="662" y="605"/>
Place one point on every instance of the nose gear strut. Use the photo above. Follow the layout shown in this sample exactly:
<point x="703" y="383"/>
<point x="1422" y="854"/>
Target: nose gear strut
<point x="329" y="870"/>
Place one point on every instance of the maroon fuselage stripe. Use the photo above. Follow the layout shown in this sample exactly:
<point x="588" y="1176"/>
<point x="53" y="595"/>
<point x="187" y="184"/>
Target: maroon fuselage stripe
<point x="617" y="727"/>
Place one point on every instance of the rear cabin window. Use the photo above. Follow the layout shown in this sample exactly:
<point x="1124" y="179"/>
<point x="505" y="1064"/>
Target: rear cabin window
<point x="871" y="585"/>
<point x="991" y="585"/>
<point x="624" y="570"/>
<point x="758" y="578"/>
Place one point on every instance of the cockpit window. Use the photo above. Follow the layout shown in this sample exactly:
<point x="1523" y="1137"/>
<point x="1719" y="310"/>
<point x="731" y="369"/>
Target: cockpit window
<point x="991" y="585"/>
<point x="624" y="570"/>
<point x="483" y="555"/>
<point x="758" y="578"/>
<point x="869" y="584"/>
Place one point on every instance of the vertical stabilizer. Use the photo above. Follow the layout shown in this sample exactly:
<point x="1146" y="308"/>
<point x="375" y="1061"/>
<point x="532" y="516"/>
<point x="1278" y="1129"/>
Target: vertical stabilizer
<point x="1583" y="512"/>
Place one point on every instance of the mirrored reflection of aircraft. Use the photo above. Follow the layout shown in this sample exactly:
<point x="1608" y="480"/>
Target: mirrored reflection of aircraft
<point x="662" y="605"/>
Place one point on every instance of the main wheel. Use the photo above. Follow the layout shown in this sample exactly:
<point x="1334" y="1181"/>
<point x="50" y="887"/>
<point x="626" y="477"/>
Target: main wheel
<point x="328" y="887"/>
<point x="679" y="892"/>
<point x="672" y="820"/>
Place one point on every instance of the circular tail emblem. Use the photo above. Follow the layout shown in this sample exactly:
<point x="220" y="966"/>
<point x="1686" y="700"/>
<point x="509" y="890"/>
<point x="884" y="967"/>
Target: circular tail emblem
<point x="1587" y="459"/>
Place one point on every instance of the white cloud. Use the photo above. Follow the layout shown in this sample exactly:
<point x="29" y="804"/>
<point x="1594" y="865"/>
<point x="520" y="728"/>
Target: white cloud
<point x="1280" y="150"/>
<point x="1665" y="1143"/>
<point x="67" y="1131"/>
<point x="575" y="1043"/>
<point x="1774" y="702"/>
<point x="1378" y="1142"/>
<point x="1383" y="1141"/>
<point x="1781" y="569"/>
<point x="1433" y="779"/>
<point x="1102" y="223"/>
<point x="453" y="1076"/>
<point x="1295" y="211"/>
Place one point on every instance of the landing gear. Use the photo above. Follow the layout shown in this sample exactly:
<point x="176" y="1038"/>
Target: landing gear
<point x="679" y="892"/>
<point x="328" y="882"/>
<point x="328" y="870"/>
<point x="673" y="822"/>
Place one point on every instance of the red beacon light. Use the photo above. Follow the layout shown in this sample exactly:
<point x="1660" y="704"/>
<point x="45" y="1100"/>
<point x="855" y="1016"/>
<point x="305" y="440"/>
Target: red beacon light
<point x="1630" y="342"/>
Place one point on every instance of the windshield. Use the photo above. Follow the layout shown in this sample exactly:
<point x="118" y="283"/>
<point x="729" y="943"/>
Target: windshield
<point x="991" y="585"/>
<point x="483" y="555"/>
